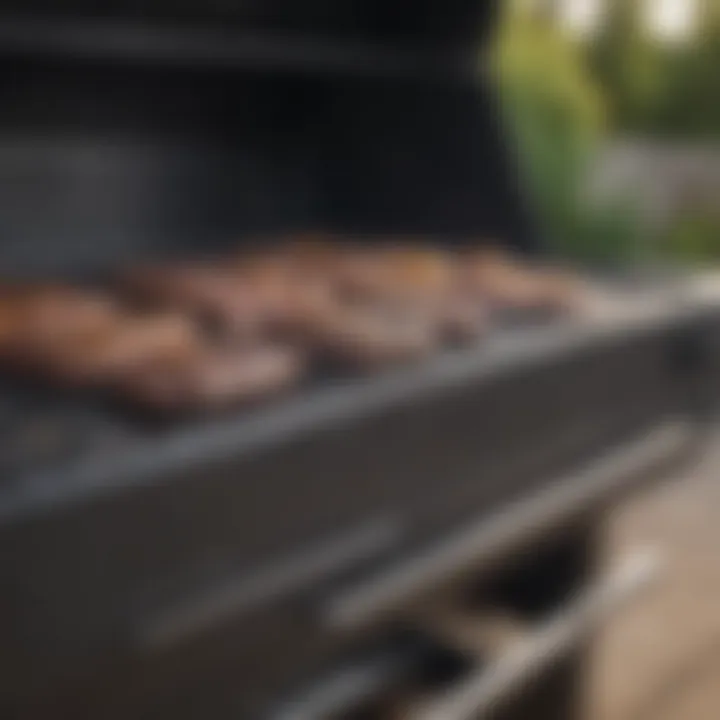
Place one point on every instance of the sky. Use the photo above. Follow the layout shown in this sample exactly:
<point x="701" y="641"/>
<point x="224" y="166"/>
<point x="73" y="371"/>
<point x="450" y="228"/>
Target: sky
<point x="668" y="19"/>
<point x="672" y="19"/>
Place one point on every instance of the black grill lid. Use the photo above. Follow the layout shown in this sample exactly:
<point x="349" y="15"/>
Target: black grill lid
<point x="421" y="22"/>
<point x="130" y="131"/>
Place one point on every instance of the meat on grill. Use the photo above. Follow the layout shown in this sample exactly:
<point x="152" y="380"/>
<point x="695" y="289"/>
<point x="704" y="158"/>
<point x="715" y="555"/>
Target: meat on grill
<point x="414" y="282"/>
<point x="256" y="301"/>
<point x="370" y="338"/>
<point x="219" y="334"/>
<point x="78" y="338"/>
<point x="35" y="314"/>
<point x="97" y="358"/>
<point x="212" y="378"/>
<point x="509" y="287"/>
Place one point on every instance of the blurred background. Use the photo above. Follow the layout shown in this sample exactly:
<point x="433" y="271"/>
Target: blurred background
<point x="615" y="105"/>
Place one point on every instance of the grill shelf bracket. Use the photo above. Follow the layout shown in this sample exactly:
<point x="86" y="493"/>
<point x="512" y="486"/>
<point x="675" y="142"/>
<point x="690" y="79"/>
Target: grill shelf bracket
<point x="477" y="695"/>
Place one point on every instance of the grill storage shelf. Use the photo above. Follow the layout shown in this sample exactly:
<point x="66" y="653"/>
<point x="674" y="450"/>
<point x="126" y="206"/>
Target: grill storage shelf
<point x="168" y="143"/>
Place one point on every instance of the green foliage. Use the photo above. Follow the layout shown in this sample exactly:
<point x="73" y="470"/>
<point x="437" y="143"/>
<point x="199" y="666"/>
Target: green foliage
<point x="693" y="237"/>
<point x="658" y="89"/>
<point x="547" y="92"/>
<point x="562" y="97"/>
<point x="610" y="236"/>
<point x="690" y="105"/>
<point x="557" y="115"/>
<point x="628" y="65"/>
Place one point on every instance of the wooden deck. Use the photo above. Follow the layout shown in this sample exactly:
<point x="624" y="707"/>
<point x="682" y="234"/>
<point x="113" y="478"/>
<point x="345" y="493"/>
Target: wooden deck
<point x="660" y="659"/>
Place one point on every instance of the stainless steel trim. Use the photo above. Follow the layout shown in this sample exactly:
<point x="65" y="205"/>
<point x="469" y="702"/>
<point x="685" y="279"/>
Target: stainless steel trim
<point x="308" y="565"/>
<point x="345" y="689"/>
<point x="508" y="530"/>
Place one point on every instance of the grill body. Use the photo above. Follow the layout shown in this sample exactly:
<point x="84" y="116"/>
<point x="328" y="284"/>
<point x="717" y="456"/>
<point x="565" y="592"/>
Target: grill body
<point x="180" y="131"/>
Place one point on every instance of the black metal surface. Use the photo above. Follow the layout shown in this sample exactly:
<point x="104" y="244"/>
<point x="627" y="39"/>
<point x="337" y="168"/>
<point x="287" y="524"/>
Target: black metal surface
<point x="103" y="166"/>
<point x="420" y="24"/>
<point x="106" y="165"/>
<point x="697" y="357"/>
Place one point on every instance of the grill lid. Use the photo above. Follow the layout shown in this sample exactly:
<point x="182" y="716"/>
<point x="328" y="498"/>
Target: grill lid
<point x="147" y="129"/>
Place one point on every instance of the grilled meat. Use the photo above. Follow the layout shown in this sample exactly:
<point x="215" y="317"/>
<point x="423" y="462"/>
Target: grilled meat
<point x="97" y="358"/>
<point x="212" y="378"/>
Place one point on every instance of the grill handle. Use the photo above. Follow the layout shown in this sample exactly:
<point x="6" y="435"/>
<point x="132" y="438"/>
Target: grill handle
<point x="479" y="694"/>
<point x="347" y="688"/>
<point x="480" y="546"/>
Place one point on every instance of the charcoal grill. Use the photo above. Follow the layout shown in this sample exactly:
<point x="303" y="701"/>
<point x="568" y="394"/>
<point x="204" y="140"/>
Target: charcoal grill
<point x="218" y="567"/>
